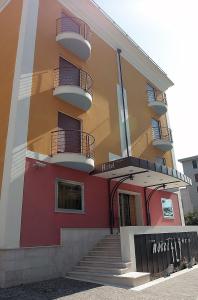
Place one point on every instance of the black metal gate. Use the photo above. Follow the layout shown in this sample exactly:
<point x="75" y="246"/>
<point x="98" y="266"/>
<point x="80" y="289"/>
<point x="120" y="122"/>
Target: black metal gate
<point x="155" y="252"/>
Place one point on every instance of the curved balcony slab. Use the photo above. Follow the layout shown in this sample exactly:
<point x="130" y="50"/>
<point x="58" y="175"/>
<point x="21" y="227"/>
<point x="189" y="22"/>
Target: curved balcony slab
<point x="75" y="43"/>
<point x="159" y="107"/>
<point x="163" y="145"/>
<point x="74" y="95"/>
<point x="74" y="161"/>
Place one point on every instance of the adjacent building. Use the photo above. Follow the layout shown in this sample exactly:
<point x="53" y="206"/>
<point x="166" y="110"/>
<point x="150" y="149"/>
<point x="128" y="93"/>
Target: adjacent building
<point x="86" y="145"/>
<point x="190" y="195"/>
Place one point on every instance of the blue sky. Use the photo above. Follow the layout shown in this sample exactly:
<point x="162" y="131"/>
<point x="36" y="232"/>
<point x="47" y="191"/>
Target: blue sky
<point x="168" y="32"/>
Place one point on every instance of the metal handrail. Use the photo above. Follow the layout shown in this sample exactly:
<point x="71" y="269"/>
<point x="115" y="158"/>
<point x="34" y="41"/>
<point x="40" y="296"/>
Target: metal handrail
<point x="72" y="141"/>
<point x="63" y="25"/>
<point x="162" y="133"/>
<point x="68" y="77"/>
<point x="158" y="96"/>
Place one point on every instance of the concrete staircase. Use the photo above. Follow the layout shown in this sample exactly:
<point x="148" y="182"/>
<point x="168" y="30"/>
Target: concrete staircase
<point x="104" y="265"/>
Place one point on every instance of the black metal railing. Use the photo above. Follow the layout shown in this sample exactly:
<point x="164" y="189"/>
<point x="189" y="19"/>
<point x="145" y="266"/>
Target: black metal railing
<point x="156" y="96"/>
<point x="72" y="141"/>
<point x="75" y="77"/>
<point x="162" y="133"/>
<point x="73" y="24"/>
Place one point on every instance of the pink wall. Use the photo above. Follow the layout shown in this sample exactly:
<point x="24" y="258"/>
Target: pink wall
<point x="156" y="210"/>
<point x="41" y="224"/>
<point x="155" y="206"/>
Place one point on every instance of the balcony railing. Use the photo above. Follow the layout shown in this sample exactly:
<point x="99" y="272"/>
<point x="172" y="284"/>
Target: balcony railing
<point x="72" y="141"/>
<point x="73" y="77"/>
<point x="162" y="133"/>
<point x="73" y="24"/>
<point x="156" y="96"/>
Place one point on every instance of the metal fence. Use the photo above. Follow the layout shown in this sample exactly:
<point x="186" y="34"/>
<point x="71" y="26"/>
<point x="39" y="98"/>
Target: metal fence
<point x="162" y="133"/>
<point x="73" y="24"/>
<point x="154" y="95"/>
<point x="75" y="77"/>
<point x="72" y="141"/>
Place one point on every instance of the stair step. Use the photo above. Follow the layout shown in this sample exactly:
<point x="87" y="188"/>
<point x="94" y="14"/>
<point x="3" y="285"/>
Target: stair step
<point x="105" y="253"/>
<point x="105" y="270"/>
<point x="129" y="280"/>
<point x="103" y="258"/>
<point x="106" y="264"/>
<point x="112" y="237"/>
<point x="109" y="242"/>
<point x="108" y="247"/>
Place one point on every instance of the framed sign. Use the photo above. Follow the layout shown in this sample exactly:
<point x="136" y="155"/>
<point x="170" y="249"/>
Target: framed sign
<point x="167" y="208"/>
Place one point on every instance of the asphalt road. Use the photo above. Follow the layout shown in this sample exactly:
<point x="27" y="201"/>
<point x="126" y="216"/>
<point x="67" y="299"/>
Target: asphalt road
<point x="183" y="287"/>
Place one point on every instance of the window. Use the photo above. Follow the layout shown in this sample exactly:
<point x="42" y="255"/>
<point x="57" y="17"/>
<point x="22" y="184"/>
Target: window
<point x="151" y="93"/>
<point x="167" y="208"/>
<point x="196" y="177"/>
<point x="70" y="196"/>
<point x="194" y="164"/>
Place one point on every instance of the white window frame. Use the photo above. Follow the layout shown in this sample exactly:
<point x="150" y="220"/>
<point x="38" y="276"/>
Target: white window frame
<point x="69" y="211"/>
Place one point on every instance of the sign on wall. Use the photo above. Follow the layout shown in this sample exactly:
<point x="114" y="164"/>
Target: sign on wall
<point x="167" y="208"/>
<point x="156" y="252"/>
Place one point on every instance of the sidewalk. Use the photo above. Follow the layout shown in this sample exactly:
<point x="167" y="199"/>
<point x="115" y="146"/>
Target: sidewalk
<point x="183" y="287"/>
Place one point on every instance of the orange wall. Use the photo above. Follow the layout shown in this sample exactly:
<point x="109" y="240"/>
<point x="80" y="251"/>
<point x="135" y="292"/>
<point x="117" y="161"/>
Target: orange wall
<point x="9" y="24"/>
<point x="140" y="116"/>
<point x="102" y="119"/>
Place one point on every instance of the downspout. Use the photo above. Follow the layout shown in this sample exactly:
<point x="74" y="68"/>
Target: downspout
<point x="123" y="98"/>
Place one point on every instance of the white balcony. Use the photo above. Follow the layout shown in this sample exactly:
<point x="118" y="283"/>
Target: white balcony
<point x="159" y="107"/>
<point x="73" y="89"/>
<point x="73" y="149"/>
<point x="74" y="34"/>
<point x="162" y="138"/>
<point x="157" y="101"/>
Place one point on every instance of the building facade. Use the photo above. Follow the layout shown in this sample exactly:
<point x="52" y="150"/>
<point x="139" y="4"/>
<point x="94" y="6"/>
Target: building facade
<point x="82" y="107"/>
<point x="190" y="167"/>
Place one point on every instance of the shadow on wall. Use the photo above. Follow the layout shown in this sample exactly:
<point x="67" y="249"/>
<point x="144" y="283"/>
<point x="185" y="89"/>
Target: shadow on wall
<point x="105" y="130"/>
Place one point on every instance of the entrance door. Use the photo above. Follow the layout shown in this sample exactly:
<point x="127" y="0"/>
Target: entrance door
<point x="69" y="136"/>
<point x="68" y="73"/>
<point x="127" y="210"/>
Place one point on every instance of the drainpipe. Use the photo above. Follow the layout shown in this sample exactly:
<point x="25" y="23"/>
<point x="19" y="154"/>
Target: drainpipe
<point x="123" y="100"/>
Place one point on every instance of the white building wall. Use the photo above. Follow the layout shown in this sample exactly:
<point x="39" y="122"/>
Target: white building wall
<point x="190" y="172"/>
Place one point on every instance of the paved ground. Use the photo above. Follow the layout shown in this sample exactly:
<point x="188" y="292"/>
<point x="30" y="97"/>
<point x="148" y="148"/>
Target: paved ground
<point x="183" y="287"/>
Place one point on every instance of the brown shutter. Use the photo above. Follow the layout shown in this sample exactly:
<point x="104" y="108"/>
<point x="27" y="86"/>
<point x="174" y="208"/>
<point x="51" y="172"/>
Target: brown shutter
<point x="70" y="139"/>
<point x="68" y="73"/>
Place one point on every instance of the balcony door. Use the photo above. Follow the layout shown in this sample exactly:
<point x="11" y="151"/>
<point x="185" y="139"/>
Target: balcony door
<point x="68" y="73"/>
<point x="69" y="24"/>
<point x="156" y="127"/>
<point x="69" y="135"/>
<point x="151" y="93"/>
